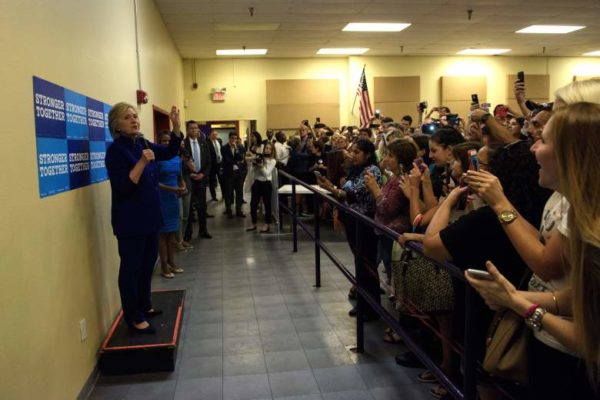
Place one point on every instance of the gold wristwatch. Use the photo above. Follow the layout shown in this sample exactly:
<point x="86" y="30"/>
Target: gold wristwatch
<point x="507" y="216"/>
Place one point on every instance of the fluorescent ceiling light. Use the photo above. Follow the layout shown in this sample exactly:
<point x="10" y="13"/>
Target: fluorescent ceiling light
<point x="551" y="29"/>
<point x="482" y="52"/>
<point x="344" y="51"/>
<point x="375" y="27"/>
<point x="592" y="53"/>
<point x="245" y="27"/>
<point x="242" y="52"/>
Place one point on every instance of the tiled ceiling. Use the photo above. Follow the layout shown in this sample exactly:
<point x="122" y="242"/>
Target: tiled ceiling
<point x="439" y="27"/>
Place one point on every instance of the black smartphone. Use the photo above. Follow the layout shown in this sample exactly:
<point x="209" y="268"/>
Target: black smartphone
<point x="474" y="98"/>
<point x="318" y="119"/>
<point x="377" y="113"/>
<point x="305" y="122"/>
<point x="521" y="76"/>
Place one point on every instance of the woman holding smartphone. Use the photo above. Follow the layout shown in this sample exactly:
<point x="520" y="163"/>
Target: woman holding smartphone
<point x="355" y="194"/>
<point x="565" y="321"/>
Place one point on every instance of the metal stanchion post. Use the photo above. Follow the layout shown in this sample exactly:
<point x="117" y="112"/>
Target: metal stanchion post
<point x="360" y="279"/>
<point x="469" y="377"/>
<point x="316" y="204"/>
<point x="294" y="216"/>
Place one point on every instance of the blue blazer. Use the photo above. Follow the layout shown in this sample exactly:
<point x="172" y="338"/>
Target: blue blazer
<point x="136" y="207"/>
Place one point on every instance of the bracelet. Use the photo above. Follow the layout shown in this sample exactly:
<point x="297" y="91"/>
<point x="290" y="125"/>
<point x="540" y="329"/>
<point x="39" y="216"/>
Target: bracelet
<point x="534" y="322"/>
<point x="555" y="303"/>
<point x="530" y="310"/>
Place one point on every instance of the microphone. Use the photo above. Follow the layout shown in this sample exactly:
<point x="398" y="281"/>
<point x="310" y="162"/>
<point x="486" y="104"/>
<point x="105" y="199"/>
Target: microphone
<point x="141" y="137"/>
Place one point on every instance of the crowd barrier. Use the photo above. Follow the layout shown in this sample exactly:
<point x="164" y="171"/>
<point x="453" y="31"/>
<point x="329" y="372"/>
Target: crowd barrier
<point x="469" y="365"/>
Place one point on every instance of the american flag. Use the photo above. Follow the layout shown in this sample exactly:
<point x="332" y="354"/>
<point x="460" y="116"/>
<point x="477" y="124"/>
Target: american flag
<point x="366" y="111"/>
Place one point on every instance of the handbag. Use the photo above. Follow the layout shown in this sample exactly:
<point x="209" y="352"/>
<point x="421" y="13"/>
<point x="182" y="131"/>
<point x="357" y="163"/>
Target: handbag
<point x="506" y="351"/>
<point x="419" y="285"/>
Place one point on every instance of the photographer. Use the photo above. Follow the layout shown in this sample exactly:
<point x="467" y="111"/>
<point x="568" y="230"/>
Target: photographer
<point x="259" y="183"/>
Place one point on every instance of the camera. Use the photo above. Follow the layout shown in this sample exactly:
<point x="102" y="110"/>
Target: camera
<point x="429" y="129"/>
<point x="423" y="106"/>
<point x="259" y="159"/>
<point x="453" y="119"/>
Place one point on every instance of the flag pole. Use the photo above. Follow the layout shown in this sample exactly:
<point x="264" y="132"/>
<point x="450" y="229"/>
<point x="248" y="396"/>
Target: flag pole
<point x="356" y="94"/>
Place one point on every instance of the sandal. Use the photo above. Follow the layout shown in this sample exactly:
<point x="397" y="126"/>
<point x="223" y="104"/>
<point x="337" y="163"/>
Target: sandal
<point x="168" y="275"/>
<point x="439" y="392"/>
<point x="427" y="377"/>
<point x="392" y="337"/>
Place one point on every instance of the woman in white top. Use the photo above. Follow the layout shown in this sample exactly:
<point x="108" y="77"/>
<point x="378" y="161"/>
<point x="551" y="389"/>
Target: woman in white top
<point x="261" y="172"/>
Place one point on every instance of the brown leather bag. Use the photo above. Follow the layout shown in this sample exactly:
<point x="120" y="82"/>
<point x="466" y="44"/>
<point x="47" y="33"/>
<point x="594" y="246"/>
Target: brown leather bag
<point x="506" y="353"/>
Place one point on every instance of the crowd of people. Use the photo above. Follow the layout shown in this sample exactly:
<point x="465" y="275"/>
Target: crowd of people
<point x="508" y="196"/>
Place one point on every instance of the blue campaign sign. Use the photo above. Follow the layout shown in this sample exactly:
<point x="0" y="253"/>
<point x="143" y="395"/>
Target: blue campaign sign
<point x="95" y="110"/>
<point x="97" y="167"/>
<point x="76" y="110"/>
<point x="53" y="166"/>
<point x="79" y="163"/>
<point x="71" y="136"/>
<point x="107" y="135"/>
<point x="49" y="109"/>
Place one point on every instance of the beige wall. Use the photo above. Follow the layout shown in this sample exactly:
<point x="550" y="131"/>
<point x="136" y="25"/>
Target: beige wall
<point x="58" y="255"/>
<point x="245" y="79"/>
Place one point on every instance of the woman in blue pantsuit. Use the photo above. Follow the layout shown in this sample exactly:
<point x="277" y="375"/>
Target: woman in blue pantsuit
<point x="136" y="215"/>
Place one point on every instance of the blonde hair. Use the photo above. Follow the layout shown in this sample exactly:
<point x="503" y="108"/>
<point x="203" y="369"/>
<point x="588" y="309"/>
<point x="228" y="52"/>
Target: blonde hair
<point x="578" y="91"/>
<point x="115" y="113"/>
<point x="574" y="132"/>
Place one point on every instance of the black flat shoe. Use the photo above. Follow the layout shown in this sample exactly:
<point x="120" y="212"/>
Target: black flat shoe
<point x="152" y="313"/>
<point x="149" y="330"/>
<point x="205" y="235"/>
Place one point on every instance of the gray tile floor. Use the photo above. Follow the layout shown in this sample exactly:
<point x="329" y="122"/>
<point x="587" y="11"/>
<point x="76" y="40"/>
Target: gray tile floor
<point x="256" y="328"/>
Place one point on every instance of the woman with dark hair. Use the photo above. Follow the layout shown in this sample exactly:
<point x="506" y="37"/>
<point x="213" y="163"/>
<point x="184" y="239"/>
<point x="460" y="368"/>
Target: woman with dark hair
<point x="515" y="126"/>
<point x="355" y="194"/>
<point x="172" y="187"/>
<point x="440" y="152"/>
<point x="392" y="207"/>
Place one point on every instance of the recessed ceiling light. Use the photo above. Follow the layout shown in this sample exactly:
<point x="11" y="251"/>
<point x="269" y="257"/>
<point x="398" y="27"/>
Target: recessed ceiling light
<point x="242" y="52"/>
<point x="375" y="27"/>
<point x="592" y="53"/>
<point x="551" y="29"/>
<point x="344" y="51"/>
<point x="482" y="52"/>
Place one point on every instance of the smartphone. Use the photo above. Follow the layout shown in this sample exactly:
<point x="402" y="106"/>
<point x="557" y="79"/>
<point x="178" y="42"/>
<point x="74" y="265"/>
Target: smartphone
<point x="305" y="122"/>
<point x="521" y="76"/>
<point x="480" y="274"/>
<point x="473" y="160"/>
<point x="486" y="106"/>
<point x="317" y="174"/>
<point x="474" y="98"/>
<point x="318" y="119"/>
<point x="377" y="113"/>
<point x="421" y="164"/>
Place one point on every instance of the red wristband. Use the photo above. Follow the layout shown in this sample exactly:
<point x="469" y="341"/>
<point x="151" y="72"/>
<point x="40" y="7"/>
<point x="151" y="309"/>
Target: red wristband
<point x="531" y="310"/>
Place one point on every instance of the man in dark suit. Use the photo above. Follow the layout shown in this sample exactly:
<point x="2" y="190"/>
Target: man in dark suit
<point x="214" y="146"/>
<point x="196" y="146"/>
<point x="234" y="171"/>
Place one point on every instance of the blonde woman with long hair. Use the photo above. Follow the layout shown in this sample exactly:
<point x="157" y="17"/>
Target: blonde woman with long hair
<point x="569" y="157"/>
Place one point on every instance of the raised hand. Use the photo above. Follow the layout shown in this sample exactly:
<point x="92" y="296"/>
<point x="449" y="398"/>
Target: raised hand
<point x="175" y="120"/>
